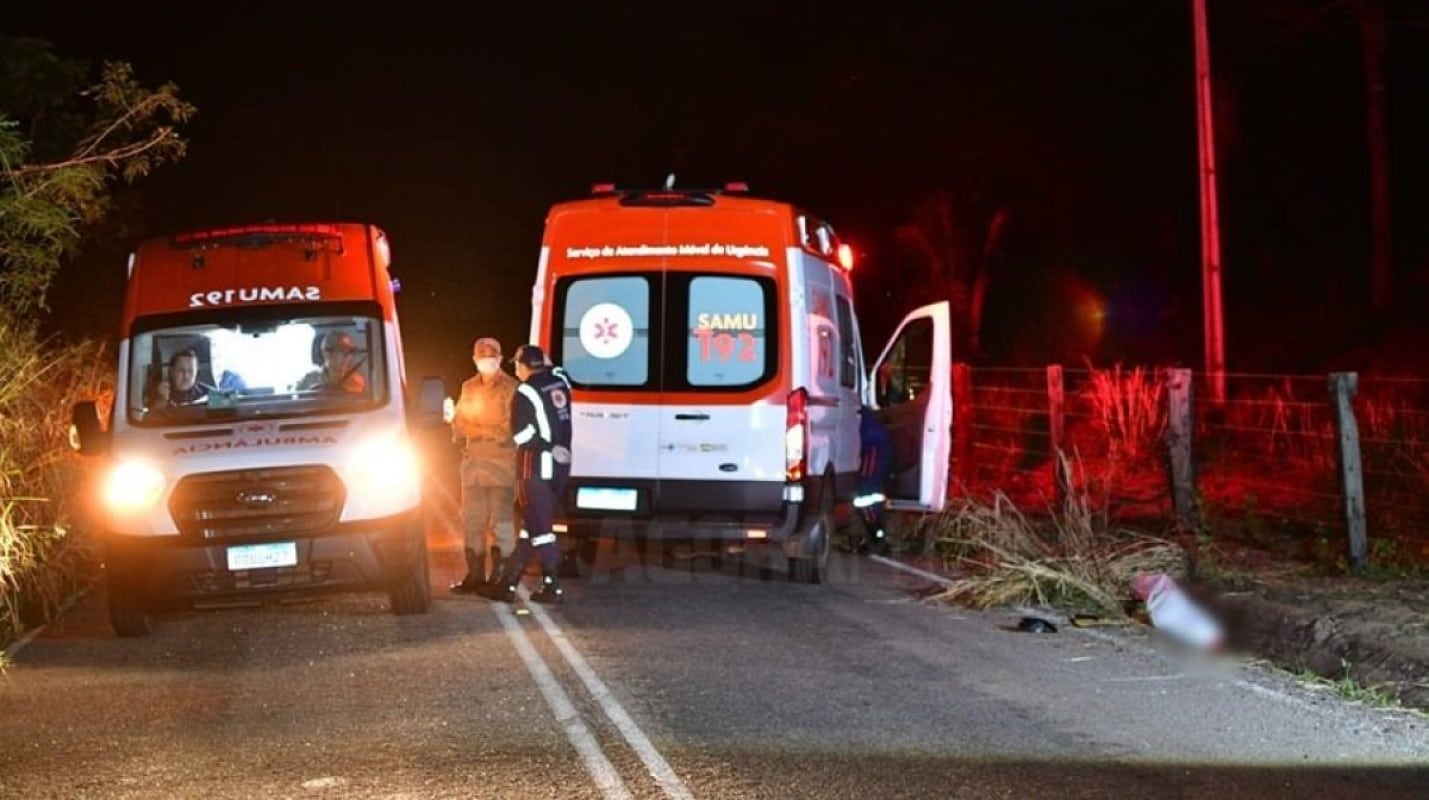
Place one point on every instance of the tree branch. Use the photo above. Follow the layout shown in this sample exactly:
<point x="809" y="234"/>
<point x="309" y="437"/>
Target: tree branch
<point x="89" y="146"/>
<point x="109" y="158"/>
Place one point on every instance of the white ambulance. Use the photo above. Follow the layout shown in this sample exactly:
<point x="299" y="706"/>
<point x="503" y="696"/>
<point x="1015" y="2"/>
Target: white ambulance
<point x="258" y="441"/>
<point x="714" y="350"/>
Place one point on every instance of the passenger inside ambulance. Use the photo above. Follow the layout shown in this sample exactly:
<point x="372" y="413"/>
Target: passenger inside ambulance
<point x="180" y="384"/>
<point x="341" y="366"/>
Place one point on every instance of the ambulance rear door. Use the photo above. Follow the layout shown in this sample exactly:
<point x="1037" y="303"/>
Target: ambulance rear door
<point x="722" y="425"/>
<point x="605" y="323"/>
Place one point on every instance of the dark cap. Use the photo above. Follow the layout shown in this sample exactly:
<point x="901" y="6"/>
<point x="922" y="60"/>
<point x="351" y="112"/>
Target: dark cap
<point x="531" y="355"/>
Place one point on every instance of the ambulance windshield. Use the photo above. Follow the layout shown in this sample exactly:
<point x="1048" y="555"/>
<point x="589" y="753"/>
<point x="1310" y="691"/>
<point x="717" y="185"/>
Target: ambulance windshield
<point x="278" y="366"/>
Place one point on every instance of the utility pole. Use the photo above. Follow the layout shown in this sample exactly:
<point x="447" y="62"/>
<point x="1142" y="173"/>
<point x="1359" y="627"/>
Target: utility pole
<point x="1214" y="323"/>
<point x="1372" y="37"/>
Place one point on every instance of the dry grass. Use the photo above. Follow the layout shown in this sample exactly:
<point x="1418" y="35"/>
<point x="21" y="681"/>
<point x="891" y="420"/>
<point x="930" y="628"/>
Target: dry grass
<point x="1074" y="560"/>
<point x="1129" y="407"/>
<point x="40" y="477"/>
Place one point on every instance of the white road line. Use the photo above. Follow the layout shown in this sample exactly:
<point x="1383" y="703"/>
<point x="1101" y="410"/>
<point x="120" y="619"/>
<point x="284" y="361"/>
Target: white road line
<point x="932" y="576"/>
<point x="601" y="770"/>
<point x="659" y="769"/>
<point x="599" y="767"/>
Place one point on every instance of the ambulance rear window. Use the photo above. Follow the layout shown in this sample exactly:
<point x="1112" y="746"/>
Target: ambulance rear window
<point x="727" y="338"/>
<point x="605" y="331"/>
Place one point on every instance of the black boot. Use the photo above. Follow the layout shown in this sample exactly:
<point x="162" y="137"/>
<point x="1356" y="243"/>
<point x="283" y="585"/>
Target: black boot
<point x="878" y="542"/>
<point x="475" y="574"/>
<point x="502" y="586"/>
<point x="875" y="538"/>
<point x="550" y="593"/>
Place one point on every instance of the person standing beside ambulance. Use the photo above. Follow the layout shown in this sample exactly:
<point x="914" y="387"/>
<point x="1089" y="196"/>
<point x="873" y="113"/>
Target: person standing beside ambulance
<point x="541" y="430"/>
<point x="481" y="422"/>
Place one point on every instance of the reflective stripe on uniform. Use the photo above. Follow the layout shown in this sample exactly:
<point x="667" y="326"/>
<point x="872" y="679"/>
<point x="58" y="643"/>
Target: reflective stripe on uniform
<point x="866" y="500"/>
<point x="549" y="538"/>
<point x="535" y="398"/>
<point x="525" y="534"/>
<point x="548" y="466"/>
<point x="524" y="435"/>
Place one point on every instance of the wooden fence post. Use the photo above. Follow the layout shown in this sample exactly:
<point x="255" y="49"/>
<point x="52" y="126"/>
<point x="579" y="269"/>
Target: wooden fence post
<point x="963" y="427"/>
<point x="1180" y="424"/>
<point x="1342" y="392"/>
<point x="1055" y="419"/>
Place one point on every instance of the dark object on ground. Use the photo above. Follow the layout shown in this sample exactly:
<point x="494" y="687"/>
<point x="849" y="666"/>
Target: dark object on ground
<point x="1036" y="625"/>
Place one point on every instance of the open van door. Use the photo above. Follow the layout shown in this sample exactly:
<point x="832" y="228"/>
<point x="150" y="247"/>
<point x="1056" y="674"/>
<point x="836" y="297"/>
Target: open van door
<point x="911" y="387"/>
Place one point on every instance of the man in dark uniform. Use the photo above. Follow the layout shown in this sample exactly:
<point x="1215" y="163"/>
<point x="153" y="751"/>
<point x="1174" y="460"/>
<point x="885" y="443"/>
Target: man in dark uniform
<point x="875" y="463"/>
<point x="541" y="429"/>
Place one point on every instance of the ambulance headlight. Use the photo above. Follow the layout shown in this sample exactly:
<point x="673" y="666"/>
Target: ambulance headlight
<point x="133" y="487"/>
<point x="385" y="473"/>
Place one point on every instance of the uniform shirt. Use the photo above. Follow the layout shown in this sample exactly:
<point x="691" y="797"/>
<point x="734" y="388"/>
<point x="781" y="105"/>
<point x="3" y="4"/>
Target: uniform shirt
<point x="876" y="452"/>
<point x="541" y="425"/>
<point x="193" y="394"/>
<point x="483" y="420"/>
<point x="354" y="383"/>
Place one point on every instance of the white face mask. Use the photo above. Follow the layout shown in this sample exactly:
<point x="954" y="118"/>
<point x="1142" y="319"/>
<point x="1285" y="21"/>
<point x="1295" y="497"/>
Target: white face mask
<point x="488" y="366"/>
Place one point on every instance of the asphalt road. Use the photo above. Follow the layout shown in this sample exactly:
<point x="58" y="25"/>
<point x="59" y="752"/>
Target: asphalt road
<point x="656" y="682"/>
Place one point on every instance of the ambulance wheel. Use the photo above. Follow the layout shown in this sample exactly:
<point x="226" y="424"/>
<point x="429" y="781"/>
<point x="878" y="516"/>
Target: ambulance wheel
<point x="578" y="559"/>
<point x="412" y="594"/>
<point x="813" y="565"/>
<point x="587" y="551"/>
<point x="129" y="602"/>
<point x="128" y="616"/>
<point x="717" y="556"/>
<point x="128" y="608"/>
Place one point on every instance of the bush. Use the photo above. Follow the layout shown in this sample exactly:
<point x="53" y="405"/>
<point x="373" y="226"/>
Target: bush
<point x="44" y="554"/>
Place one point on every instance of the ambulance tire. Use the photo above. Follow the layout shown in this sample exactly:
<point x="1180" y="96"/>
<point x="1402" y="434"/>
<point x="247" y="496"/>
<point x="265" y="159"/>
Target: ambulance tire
<point x="813" y="565"/>
<point x="717" y="557"/>
<point x="412" y="593"/>
<point x="851" y="532"/>
<point x="577" y="559"/>
<point x="128" y="607"/>
<point x="587" y="551"/>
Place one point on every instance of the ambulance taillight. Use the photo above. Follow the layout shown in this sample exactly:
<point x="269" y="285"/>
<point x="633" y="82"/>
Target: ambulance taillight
<point x="796" y="436"/>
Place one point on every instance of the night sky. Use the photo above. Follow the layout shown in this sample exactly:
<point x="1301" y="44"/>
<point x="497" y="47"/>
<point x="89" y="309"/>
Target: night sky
<point x="456" y="129"/>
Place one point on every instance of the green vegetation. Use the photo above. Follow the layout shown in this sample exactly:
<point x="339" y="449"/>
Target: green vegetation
<point x="65" y="144"/>
<point x="1350" y="689"/>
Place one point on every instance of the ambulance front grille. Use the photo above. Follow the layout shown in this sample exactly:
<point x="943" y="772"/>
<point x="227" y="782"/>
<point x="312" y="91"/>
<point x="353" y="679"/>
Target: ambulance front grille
<point x="257" y="503"/>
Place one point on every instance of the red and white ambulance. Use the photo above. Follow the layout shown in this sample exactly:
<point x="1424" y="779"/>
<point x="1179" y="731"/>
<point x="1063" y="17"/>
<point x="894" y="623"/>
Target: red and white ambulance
<point x="258" y="443"/>
<point x="714" y="351"/>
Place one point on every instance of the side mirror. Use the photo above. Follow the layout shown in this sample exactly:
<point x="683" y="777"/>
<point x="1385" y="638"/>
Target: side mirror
<point x="87" y="434"/>
<point x="430" y="401"/>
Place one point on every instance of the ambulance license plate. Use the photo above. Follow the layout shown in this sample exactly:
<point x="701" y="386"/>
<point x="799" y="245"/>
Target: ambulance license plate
<point x="263" y="556"/>
<point x="606" y="499"/>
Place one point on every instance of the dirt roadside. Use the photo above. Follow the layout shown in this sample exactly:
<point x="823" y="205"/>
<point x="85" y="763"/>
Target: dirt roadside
<point x="1370" y="636"/>
<point x="1366" y="637"/>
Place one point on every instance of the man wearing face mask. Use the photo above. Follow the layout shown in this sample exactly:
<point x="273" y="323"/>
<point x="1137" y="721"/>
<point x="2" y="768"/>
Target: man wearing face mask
<point x="481" y="423"/>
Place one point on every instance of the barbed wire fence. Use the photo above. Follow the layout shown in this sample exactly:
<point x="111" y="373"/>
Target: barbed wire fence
<point x="1330" y="468"/>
